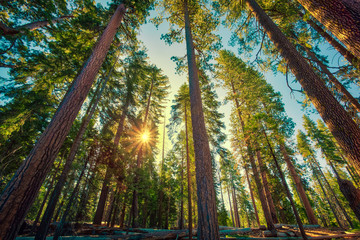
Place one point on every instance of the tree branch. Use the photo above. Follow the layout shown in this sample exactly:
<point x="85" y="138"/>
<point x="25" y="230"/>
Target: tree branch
<point x="30" y="26"/>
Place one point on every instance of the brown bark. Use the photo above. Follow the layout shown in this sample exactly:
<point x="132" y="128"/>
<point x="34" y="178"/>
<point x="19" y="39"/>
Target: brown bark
<point x="334" y="80"/>
<point x="231" y="209"/>
<point x="236" y="209"/>
<point x="299" y="187"/>
<point x="188" y="172"/>
<point x="262" y="197"/>
<point x="265" y="182"/>
<point x="259" y="186"/>
<point x="344" y="129"/>
<point x="74" y="193"/>
<point x="45" y="222"/>
<point x="252" y="197"/>
<point x="333" y="42"/>
<point x="135" y="201"/>
<point x="334" y="194"/>
<point x="352" y="194"/>
<point x="30" y="26"/>
<point x="105" y="187"/>
<point x="181" y="220"/>
<point x="207" y="213"/>
<point x="287" y="190"/>
<point x="161" y="193"/>
<point x="50" y="188"/>
<point x="339" y="19"/>
<point x="23" y="188"/>
<point x="327" y="198"/>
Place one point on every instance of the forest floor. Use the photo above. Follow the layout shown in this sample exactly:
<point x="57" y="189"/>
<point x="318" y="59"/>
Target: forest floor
<point x="85" y="231"/>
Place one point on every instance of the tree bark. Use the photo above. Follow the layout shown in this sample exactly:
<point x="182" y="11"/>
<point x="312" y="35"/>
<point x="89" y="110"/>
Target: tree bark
<point x="181" y="220"/>
<point x="266" y="188"/>
<point x="334" y="43"/>
<point x="287" y="190"/>
<point x="105" y="187"/>
<point x="30" y="26"/>
<point x="339" y="19"/>
<point x="334" y="195"/>
<point x="207" y="213"/>
<point x="259" y="186"/>
<point x="299" y="187"/>
<point x="59" y="228"/>
<point x="231" y="209"/>
<point x="21" y="191"/>
<point x="344" y="129"/>
<point x="327" y="198"/>
<point x="236" y="210"/>
<point x="188" y="173"/>
<point x="252" y="197"/>
<point x="50" y="188"/>
<point x="54" y="198"/>
<point x="334" y="80"/>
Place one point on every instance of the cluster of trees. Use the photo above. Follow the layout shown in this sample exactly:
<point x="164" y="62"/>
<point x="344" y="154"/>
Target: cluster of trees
<point x="83" y="106"/>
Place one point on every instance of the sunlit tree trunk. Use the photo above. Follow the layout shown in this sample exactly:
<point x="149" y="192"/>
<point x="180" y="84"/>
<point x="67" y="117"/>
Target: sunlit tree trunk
<point x="287" y="190"/>
<point x="333" y="42"/>
<point x="299" y="187"/>
<point x="231" y="209"/>
<point x="266" y="188"/>
<point x="73" y="195"/>
<point x="344" y="129"/>
<point x="21" y="191"/>
<point x="188" y="172"/>
<point x="108" y="174"/>
<point x="54" y="198"/>
<point x="355" y="103"/>
<point x="207" y="213"/>
<point x="340" y="19"/>
<point x="252" y="197"/>
<point x="236" y="209"/>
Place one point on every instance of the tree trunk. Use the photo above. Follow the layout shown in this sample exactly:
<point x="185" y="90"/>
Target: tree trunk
<point x="123" y="211"/>
<point x="333" y="42"/>
<point x="188" y="173"/>
<point x="30" y="26"/>
<point x="334" y="195"/>
<point x="135" y="204"/>
<point x="344" y="129"/>
<point x="355" y="103"/>
<point x="352" y="194"/>
<point x="181" y="220"/>
<point x="21" y="191"/>
<point x="262" y="197"/>
<point x="252" y="197"/>
<point x="50" y="188"/>
<point x="231" y="209"/>
<point x="266" y="188"/>
<point x="105" y="187"/>
<point x="327" y="199"/>
<point x="207" y="213"/>
<point x="299" y="187"/>
<point x="102" y="200"/>
<point x="236" y="210"/>
<point x="161" y="193"/>
<point x="54" y="198"/>
<point x="287" y="190"/>
<point x="339" y="19"/>
<point x="59" y="228"/>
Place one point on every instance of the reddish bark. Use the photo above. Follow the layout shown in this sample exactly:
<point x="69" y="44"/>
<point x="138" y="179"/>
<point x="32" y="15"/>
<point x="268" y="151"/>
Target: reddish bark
<point x="24" y="186"/>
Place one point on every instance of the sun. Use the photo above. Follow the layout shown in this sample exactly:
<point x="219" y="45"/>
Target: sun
<point x="145" y="137"/>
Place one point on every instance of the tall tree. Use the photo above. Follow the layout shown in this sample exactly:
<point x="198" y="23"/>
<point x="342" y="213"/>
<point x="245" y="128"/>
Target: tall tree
<point x="340" y="17"/>
<point x="29" y="177"/>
